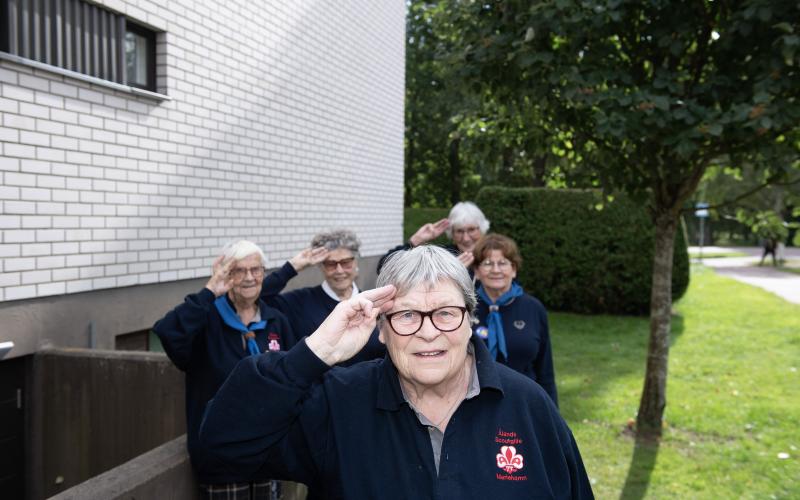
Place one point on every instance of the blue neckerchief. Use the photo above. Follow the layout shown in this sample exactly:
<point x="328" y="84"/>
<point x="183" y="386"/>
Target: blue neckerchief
<point x="497" y="337"/>
<point x="232" y="319"/>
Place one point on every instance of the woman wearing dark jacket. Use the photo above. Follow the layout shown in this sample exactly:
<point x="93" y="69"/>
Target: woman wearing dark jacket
<point x="307" y="308"/>
<point x="512" y="323"/>
<point x="207" y="335"/>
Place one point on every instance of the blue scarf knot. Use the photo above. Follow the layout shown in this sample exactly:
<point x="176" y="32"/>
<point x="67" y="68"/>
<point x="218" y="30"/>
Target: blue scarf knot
<point x="232" y="319"/>
<point x="497" y="337"/>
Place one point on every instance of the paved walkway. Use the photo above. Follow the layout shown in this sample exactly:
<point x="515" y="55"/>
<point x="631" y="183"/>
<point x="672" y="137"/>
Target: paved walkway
<point x="746" y="269"/>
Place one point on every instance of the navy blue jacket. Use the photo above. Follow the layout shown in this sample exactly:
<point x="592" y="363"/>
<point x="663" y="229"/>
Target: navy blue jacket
<point x="527" y="340"/>
<point x="349" y="433"/>
<point x="307" y="308"/>
<point x="199" y="343"/>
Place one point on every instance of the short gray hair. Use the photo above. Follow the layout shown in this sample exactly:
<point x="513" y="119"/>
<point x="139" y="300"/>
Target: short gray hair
<point x="464" y="213"/>
<point x="426" y="265"/>
<point x="238" y="250"/>
<point x="338" y="238"/>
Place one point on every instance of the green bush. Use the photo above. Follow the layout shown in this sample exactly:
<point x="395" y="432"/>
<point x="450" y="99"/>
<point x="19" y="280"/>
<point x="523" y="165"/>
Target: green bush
<point x="582" y="253"/>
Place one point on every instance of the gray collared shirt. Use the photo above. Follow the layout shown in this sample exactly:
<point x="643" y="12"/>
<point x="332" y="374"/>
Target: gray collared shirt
<point x="436" y="435"/>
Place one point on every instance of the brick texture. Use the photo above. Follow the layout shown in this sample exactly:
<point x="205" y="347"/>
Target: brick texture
<point x="284" y="119"/>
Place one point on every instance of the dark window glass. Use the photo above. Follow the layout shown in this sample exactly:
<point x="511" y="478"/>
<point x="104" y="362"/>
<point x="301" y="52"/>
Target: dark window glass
<point x="81" y="37"/>
<point x="140" y="56"/>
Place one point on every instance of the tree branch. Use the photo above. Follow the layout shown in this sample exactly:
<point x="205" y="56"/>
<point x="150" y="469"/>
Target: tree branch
<point x="770" y="182"/>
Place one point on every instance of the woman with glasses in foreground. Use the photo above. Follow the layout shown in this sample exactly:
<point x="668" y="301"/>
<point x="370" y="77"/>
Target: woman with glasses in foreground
<point x="307" y="308"/>
<point x="512" y="323"/>
<point x="207" y="335"/>
<point x="436" y="418"/>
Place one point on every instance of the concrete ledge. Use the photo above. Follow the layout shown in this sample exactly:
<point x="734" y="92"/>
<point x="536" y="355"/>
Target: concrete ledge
<point x="164" y="472"/>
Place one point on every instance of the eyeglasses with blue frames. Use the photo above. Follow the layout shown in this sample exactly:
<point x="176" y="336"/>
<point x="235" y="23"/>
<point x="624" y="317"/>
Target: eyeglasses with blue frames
<point x="409" y="321"/>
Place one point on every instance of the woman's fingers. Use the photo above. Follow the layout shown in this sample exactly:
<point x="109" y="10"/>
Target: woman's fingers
<point x="378" y="296"/>
<point x="318" y="254"/>
<point x="441" y="225"/>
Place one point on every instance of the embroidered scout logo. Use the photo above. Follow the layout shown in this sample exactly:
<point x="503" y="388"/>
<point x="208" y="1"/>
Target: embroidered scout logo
<point x="274" y="342"/>
<point x="509" y="460"/>
<point x="519" y="324"/>
<point x="482" y="332"/>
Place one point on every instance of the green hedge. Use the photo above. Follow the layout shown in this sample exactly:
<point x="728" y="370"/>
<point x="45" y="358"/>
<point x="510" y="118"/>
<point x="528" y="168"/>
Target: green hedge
<point x="578" y="257"/>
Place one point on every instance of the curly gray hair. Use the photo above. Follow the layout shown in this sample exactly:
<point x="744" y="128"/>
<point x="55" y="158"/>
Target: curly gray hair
<point x="338" y="238"/>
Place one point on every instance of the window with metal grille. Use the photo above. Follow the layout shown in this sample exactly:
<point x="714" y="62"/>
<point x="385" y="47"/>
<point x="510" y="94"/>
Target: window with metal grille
<point x="80" y="37"/>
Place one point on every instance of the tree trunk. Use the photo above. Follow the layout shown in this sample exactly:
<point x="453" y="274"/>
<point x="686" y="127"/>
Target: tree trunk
<point x="649" y="421"/>
<point x="539" y="169"/>
<point x="455" y="170"/>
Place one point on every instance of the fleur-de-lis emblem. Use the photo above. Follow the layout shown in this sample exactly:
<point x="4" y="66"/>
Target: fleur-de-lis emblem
<point x="509" y="460"/>
<point x="519" y="324"/>
<point x="274" y="345"/>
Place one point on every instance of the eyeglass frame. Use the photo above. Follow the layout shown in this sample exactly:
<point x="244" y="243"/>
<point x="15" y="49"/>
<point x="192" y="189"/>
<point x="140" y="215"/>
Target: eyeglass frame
<point x="256" y="271"/>
<point x="425" y="314"/>
<point x="347" y="264"/>
<point x="461" y="231"/>
<point x="490" y="264"/>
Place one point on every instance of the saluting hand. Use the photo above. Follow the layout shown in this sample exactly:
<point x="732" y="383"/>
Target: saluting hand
<point x="347" y="329"/>
<point x="428" y="232"/>
<point x="308" y="257"/>
<point x="220" y="281"/>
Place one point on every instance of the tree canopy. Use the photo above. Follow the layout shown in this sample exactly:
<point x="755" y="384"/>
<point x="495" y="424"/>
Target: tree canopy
<point x="635" y="96"/>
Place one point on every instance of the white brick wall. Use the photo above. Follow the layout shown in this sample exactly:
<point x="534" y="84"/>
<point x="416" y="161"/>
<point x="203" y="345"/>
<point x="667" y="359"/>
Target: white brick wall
<point x="285" y="118"/>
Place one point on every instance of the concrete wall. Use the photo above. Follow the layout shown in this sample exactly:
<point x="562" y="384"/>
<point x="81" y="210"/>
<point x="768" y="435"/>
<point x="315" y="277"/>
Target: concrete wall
<point x="164" y="472"/>
<point x="93" y="410"/>
<point x="276" y="120"/>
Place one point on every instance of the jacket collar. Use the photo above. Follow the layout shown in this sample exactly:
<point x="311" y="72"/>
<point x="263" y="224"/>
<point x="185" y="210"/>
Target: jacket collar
<point x="390" y="395"/>
<point x="267" y="312"/>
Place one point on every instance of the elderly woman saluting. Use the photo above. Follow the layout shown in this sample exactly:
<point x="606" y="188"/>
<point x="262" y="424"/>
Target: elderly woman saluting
<point x="437" y="418"/>
<point x="464" y="226"/>
<point x="306" y="308"/>
<point x="208" y="334"/>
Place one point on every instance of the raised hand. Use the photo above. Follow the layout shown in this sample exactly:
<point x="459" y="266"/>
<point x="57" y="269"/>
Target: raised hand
<point x="428" y="232"/>
<point x="347" y="329"/>
<point x="308" y="257"/>
<point x="466" y="258"/>
<point x="220" y="281"/>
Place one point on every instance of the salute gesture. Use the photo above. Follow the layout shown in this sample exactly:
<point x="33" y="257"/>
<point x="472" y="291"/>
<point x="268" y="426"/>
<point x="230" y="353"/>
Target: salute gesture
<point x="220" y="281"/>
<point x="428" y="232"/>
<point x="308" y="257"/>
<point x="347" y="329"/>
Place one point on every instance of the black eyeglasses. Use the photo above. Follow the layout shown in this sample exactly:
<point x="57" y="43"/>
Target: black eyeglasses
<point x="409" y="321"/>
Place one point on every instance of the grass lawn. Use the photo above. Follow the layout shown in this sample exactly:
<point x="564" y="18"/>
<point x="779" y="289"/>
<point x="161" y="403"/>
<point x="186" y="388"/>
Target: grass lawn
<point x="717" y="255"/>
<point x="733" y="396"/>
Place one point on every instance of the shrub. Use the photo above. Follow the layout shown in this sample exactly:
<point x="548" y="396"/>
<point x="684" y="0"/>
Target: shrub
<point x="581" y="253"/>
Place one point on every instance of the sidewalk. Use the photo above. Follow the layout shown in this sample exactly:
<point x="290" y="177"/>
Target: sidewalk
<point x="746" y="269"/>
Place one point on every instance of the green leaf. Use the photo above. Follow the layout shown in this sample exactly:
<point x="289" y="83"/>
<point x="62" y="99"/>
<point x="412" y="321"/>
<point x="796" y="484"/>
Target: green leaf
<point x="715" y="129"/>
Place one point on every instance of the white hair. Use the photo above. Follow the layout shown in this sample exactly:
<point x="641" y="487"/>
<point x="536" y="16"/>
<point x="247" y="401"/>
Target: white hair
<point x="241" y="249"/>
<point x="426" y="265"/>
<point x="465" y="213"/>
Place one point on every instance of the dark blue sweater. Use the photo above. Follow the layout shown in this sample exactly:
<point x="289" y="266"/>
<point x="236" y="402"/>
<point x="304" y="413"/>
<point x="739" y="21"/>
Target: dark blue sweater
<point x="349" y="433"/>
<point x="527" y="340"/>
<point x="199" y="343"/>
<point x="307" y="308"/>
